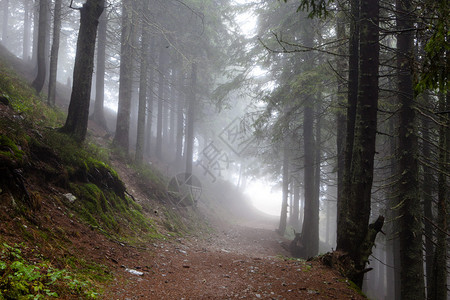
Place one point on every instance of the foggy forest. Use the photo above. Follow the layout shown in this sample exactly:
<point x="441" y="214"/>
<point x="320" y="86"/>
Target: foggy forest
<point x="314" y="131"/>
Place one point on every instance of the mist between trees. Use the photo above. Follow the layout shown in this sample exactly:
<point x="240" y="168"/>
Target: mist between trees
<point x="341" y="105"/>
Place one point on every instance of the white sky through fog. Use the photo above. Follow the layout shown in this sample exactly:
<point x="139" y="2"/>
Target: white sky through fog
<point x="260" y="191"/>
<point x="263" y="197"/>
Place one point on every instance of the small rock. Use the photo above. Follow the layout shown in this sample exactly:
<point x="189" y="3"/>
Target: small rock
<point x="134" y="272"/>
<point x="70" y="197"/>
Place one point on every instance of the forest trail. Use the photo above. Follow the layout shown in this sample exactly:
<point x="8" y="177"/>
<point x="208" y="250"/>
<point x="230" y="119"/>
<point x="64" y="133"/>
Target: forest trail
<point x="235" y="262"/>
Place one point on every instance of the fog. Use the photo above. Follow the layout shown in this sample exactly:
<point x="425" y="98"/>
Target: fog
<point x="225" y="83"/>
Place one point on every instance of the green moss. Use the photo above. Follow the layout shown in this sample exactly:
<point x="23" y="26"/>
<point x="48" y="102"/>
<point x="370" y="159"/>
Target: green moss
<point x="10" y="150"/>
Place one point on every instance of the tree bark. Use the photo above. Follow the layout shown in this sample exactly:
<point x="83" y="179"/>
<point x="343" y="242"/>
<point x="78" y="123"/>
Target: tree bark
<point x="39" y="81"/>
<point x="78" y="114"/>
<point x="99" y="113"/>
<point x="428" y="187"/>
<point x="354" y="235"/>
<point x="121" y="138"/>
<point x="438" y="290"/>
<point x="54" y="53"/>
<point x="352" y="94"/>
<point x="143" y="82"/>
<point x="412" y="282"/>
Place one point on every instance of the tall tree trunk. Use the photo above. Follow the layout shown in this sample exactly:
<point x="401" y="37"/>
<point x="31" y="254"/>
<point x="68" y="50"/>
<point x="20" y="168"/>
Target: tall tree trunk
<point x="143" y="82"/>
<point x="78" y="114"/>
<point x="412" y="282"/>
<point x="180" y="120"/>
<point x="39" y="81"/>
<point x="173" y="112"/>
<point x="190" y="120"/>
<point x="296" y="205"/>
<point x="285" y="189"/>
<point x="438" y="290"/>
<point x="161" y="106"/>
<point x="352" y="94"/>
<point x="35" y="35"/>
<point x="126" y="76"/>
<point x="150" y="97"/>
<point x="355" y="237"/>
<point x="310" y="232"/>
<point x="341" y="102"/>
<point x="54" y="53"/>
<point x="26" y="31"/>
<point x="428" y="187"/>
<point x="99" y="113"/>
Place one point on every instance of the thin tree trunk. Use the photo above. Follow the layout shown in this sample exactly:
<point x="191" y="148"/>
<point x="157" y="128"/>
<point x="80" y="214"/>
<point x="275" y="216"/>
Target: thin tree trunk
<point x="78" y="114"/>
<point x="285" y="189"/>
<point x="26" y="31"/>
<point x="296" y="205"/>
<point x="54" y="53"/>
<point x="39" y="81"/>
<point x="126" y="76"/>
<point x="150" y="97"/>
<point x="180" y="121"/>
<point x="341" y="102"/>
<point x="190" y="120"/>
<point x="99" y="113"/>
<point x="161" y="106"/>
<point x="140" y="140"/>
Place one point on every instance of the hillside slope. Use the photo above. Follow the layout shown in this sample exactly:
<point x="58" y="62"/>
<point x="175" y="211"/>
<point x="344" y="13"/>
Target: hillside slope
<point x="72" y="226"/>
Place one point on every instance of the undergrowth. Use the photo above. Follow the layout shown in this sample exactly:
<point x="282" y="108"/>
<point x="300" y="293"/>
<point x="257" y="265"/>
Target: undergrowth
<point x="22" y="279"/>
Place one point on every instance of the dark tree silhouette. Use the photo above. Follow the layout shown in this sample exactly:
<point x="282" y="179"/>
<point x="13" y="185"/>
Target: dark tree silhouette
<point x="38" y="82"/>
<point x="78" y="114"/>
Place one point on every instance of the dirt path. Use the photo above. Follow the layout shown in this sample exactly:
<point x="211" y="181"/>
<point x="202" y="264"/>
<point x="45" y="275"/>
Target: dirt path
<point x="235" y="263"/>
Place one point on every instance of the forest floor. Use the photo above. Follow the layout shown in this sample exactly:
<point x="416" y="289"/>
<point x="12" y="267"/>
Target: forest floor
<point x="234" y="263"/>
<point x="228" y="260"/>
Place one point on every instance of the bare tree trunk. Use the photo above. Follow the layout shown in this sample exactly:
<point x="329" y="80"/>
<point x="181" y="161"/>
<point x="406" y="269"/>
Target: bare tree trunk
<point x="143" y="82"/>
<point x="39" y="81"/>
<point x="428" y="187"/>
<point x="99" y="114"/>
<point x="180" y="120"/>
<point x="438" y="290"/>
<point x="126" y="76"/>
<point x="412" y="282"/>
<point x="78" y="114"/>
<point x="356" y="237"/>
<point x="54" y="53"/>
<point x="341" y="102"/>
<point x="26" y="31"/>
<point x="190" y="120"/>
<point x="161" y="106"/>
<point x="150" y="97"/>
<point x="352" y="94"/>
<point x="285" y="193"/>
